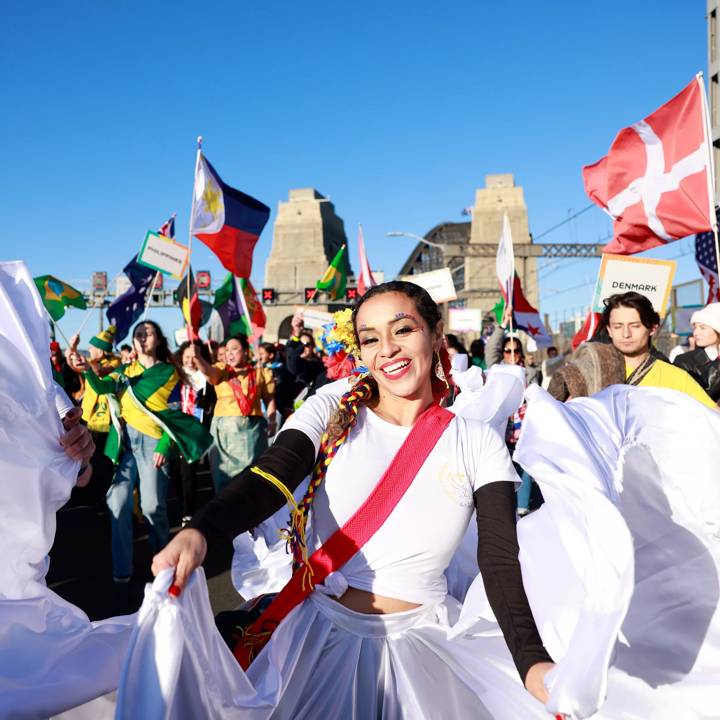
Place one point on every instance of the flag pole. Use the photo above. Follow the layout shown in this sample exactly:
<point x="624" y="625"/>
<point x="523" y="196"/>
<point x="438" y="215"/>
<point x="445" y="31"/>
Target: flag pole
<point x="148" y="297"/>
<point x="58" y="328"/>
<point x="84" y="322"/>
<point x="198" y="155"/>
<point x="710" y="174"/>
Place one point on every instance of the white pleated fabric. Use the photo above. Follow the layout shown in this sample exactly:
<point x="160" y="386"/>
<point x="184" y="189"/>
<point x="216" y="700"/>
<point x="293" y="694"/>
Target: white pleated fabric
<point x="622" y="563"/>
<point x="51" y="656"/>
<point x="324" y="661"/>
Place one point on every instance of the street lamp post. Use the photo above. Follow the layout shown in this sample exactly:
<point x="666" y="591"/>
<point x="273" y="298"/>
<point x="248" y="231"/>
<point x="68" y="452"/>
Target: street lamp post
<point x="399" y="233"/>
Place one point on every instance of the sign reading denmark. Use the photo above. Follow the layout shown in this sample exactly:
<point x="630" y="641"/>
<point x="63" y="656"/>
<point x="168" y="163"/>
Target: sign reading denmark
<point x="163" y="254"/>
<point x="649" y="277"/>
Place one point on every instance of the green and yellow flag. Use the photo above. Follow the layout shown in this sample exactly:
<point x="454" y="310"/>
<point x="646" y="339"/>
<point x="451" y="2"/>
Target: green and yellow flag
<point x="334" y="281"/>
<point x="57" y="295"/>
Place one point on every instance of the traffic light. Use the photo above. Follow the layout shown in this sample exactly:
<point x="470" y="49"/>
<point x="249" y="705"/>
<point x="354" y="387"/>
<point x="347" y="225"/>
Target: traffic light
<point x="311" y="294"/>
<point x="351" y="294"/>
<point x="268" y="296"/>
<point x="202" y="280"/>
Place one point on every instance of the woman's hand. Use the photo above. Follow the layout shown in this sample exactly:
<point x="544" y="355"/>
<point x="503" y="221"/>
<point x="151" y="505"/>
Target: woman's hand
<point x="297" y="325"/>
<point x="158" y="460"/>
<point x="535" y="680"/>
<point x="77" y="440"/>
<point x="507" y="316"/>
<point x="78" y="444"/>
<point x="185" y="552"/>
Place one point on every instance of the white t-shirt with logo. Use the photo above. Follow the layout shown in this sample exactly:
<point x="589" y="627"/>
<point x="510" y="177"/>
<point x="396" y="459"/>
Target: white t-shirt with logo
<point x="407" y="556"/>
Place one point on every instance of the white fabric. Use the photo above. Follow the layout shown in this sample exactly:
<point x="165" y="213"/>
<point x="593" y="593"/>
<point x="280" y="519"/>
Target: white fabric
<point x="63" y="404"/>
<point x="677" y="350"/>
<point x="625" y="546"/>
<point x="398" y="561"/>
<point x="51" y="656"/>
<point x="324" y="661"/>
<point x="505" y="262"/>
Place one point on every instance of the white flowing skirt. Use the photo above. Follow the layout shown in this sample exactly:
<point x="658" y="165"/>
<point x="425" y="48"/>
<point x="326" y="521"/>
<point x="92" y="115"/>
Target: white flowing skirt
<point x="323" y="661"/>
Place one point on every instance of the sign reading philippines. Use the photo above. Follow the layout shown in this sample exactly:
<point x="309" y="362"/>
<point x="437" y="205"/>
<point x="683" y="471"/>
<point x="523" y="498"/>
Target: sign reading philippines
<point x="163" y="254"/>
<point x="228" y="221"/>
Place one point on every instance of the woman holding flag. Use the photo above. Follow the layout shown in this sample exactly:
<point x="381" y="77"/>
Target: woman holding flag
<point x="239" y="429"/>
<point x="147" y="423"/>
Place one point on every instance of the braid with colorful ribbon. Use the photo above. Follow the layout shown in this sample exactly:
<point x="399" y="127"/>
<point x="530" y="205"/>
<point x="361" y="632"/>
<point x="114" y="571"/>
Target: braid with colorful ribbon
<point x="331" y="442"/>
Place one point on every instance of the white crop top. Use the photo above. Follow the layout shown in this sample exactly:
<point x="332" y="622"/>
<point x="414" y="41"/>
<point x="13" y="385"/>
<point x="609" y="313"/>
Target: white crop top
<point x="407" y="556"/>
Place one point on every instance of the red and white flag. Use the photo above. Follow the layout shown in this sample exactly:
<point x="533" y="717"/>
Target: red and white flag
<point x="365" y="278"/>
<point x="656" y="181"/>
<point x="588" y="330"/>
<point x="526" y="317"/>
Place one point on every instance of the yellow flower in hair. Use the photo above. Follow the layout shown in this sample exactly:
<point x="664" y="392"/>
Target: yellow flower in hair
<point x="344" y="333"/>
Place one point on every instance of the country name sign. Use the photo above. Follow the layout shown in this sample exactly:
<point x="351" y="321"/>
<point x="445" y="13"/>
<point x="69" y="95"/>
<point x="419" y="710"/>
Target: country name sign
<point x="164" y="255"/>
<point x="647" y="276"/>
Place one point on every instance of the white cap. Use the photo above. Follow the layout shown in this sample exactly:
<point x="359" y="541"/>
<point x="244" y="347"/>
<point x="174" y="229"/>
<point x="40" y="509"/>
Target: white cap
<point x="709" y="315"/>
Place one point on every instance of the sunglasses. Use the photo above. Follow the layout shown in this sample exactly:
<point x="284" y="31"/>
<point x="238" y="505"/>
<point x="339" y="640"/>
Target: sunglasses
<point x="511" y="352"/>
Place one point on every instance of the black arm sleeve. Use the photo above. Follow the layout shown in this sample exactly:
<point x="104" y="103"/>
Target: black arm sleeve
<point x="248" y="499"/>
<point x="500" y="569"/>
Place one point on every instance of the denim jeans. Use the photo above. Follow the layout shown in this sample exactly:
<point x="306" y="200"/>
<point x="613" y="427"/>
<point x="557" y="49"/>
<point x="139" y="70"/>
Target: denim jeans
<point x="523" y="493"/>
<point x="136" y="470"/>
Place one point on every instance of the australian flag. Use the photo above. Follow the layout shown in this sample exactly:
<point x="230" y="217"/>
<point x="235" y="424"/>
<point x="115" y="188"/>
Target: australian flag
<point x="706" y="260"/>
<point x="127" y="308"/>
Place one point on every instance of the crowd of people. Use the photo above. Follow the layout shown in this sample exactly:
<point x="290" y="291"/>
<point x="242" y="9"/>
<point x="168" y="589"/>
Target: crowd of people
<point x="242" y="396"/>
<point x="275" y="426"/>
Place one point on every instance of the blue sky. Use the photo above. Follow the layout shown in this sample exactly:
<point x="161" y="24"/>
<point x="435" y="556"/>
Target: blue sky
<point x="396" y="110"/>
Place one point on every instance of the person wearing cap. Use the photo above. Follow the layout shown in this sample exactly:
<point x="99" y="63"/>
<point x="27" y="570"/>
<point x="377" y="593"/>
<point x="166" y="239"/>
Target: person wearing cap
<point x="703" y="362"/>
<point x="95" y="410"/>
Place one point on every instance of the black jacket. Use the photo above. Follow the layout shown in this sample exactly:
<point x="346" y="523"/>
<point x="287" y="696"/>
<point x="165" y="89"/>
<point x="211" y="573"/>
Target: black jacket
<point x="703" y="369"/>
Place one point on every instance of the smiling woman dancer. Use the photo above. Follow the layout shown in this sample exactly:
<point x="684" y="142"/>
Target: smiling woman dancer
<point x="377" y="625"/>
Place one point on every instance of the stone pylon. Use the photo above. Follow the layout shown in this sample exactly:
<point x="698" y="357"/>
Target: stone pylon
<point x="500" y="195"/>
<point x="306" y="236"/>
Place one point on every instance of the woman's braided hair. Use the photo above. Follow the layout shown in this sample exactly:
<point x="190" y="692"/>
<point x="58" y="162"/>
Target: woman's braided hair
<point x="361" y="393"/>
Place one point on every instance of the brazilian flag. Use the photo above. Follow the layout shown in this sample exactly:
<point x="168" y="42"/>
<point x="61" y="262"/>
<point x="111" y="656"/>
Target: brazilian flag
<point x="56" y="295"/>
<point x="186" y="431"/>
<point x="334" y="281"/>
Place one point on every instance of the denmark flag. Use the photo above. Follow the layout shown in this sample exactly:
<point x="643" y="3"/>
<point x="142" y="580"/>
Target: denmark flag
<point x="656" y="181"/>
<point x="365" y="278"/>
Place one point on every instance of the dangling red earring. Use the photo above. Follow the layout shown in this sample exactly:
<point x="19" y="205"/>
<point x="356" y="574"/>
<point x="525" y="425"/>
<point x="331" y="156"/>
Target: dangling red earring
<point x="440" y="373"/>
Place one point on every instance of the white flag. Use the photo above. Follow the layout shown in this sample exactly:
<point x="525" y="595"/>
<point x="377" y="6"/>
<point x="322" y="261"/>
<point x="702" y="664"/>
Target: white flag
<point x="505" y="262"/>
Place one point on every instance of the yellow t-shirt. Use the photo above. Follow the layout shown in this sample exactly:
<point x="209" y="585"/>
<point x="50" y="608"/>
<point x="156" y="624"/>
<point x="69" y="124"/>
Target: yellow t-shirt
<point x="138" y="418"/>
<point x="226" y="405"/>
<point x="96" y="412"/>
<point x="665" y="375"/>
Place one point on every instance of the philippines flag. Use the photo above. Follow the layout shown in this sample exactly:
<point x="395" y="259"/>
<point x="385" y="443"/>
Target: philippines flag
<point x="365" y="279"/>
<point x="525" y="316"/>
<point x="706" y="260"/>
<point x="228" y="221"/>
